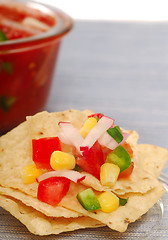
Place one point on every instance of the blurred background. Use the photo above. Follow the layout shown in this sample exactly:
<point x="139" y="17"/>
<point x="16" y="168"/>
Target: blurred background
<point x="115" y="61"/>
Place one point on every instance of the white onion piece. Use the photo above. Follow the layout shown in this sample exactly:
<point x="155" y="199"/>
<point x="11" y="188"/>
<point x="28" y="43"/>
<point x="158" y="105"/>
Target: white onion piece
<point x="72" y="134"/>
<point x="34" y="23"/>
<point x="125" y="136"/>
<point x="109" y="142"/>
<point x="97" y="131"/>
<point x="70" y="174"/>
<point x="63" y="138"/>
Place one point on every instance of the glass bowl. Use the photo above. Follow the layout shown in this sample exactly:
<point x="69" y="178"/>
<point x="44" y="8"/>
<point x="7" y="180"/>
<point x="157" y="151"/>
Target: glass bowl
<point x="27" y="63"/>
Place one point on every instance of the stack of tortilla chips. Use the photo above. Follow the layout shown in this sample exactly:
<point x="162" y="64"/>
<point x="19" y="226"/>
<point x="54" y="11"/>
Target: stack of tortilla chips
<point x="142" y="188"/>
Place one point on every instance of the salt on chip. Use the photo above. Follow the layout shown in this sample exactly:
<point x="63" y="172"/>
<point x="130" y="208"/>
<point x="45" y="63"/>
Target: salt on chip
<point x="39" y="224"/>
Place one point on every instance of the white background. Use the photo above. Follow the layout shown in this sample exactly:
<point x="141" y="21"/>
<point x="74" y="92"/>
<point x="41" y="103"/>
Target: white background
<point x="139" y="10"/>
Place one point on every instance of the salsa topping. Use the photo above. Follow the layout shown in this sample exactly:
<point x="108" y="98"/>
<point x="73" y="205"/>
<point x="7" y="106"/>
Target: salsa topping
<point x="90" y="153"/>
<point x="42" y="149"/>
<point x="21" y="21"/>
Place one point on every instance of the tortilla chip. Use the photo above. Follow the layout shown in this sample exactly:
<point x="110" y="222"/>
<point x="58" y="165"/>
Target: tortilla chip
<point x="45" y="124"/>
<point x="118" y="220"/>
<point x="39" y="224"/>
<point x="15" y="146"/>
<point x="42" y="207"/>
<point x="153" y="158"/>
<point x="142" y="188"/>
<point x="138" y="204"/>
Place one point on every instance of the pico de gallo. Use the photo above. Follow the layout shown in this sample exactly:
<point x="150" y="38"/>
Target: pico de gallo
<point x="99" y="148"/>
<point x="19" y="21"/>
<point x="26" y="64"/>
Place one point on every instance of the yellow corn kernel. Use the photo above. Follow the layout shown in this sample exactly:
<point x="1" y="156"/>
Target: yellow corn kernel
<point x="108" y="174"/>
<point x="109" y="202"/>
<point x="29" y="173"/>
<point x="61" y="160"/>
<point x="87" y="126"/>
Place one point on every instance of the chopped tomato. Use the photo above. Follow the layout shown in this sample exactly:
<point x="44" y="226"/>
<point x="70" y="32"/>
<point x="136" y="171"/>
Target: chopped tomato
<point x="42" y="150"/>
<point x="106" y="151"/>
<point x="128" y="148"/>
<point x="126" y="173"/>
<point x="52" y="190"/>
<point x="96" y="115"/>
<point x="92" y="160"/>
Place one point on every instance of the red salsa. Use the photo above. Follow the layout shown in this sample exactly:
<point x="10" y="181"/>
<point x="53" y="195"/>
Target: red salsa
<point x="26" y="70"/>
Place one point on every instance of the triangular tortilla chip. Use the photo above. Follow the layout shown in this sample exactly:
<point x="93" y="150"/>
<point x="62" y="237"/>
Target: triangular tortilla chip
<point x="39" y="224"/>
<point x="153" y="158"/>
<point x="42" y="207"/>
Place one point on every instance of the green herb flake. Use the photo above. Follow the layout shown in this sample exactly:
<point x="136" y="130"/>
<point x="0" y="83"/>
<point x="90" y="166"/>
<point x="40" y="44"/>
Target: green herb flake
<point x="3" y="37"/>
<point x="123" y="201"/>
<point x="7" y="67"/>
<point x="77" y="168"/>
<point x="6" y="103"/>
<point x="116" y="133"/>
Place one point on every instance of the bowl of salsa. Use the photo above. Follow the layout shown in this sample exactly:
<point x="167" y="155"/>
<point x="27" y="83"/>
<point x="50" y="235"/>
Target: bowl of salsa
<point x="30" y="38"/>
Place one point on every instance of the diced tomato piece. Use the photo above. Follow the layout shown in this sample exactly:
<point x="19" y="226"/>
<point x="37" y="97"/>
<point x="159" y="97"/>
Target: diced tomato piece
<point x="92" y="160"/>
<point x="42" y="150"/>
<point x="106" y="151"/>
<point x="128" y="148"/>
<point x="52" y="190"/>
<point x="127" y="172"/>
<point x="96" y="115"/>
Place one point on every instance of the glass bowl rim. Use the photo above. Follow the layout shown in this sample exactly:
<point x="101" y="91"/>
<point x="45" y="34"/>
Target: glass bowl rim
<point x="64" y="25"/>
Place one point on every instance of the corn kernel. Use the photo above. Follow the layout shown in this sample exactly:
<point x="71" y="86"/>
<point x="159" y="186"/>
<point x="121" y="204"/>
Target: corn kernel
<point x="108" y="174"/>
<point x="29" y="173"/>
<point x="61" y="160"/>
<point x="109" y="202"/>
<point x="87" y="126"/>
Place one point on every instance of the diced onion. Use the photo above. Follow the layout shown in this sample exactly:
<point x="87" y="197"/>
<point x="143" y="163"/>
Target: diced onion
<point x="109" y="142"/>
<point x="70" y="174"/>
<point x="63" y="138"/>
<point x="34" y="23"/>
<point x="72" y="134"/>
<point x="97" y="131"/>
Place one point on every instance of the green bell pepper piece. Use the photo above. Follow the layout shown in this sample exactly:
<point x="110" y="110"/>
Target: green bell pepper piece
<point x="116" y="133"/>
<point x="88" y="200"/>
<point x="120" y="157"/>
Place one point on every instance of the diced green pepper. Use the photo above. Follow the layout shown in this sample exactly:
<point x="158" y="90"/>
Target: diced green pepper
<point x="7" y="67"/>
<point x="116" y="133"/>
<point x="120" y="157"/>
<point x="88" y="200"/>
<point x="3" y="37"/>
<point x="6" y="102"/>
<point x="123" y="201"/>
